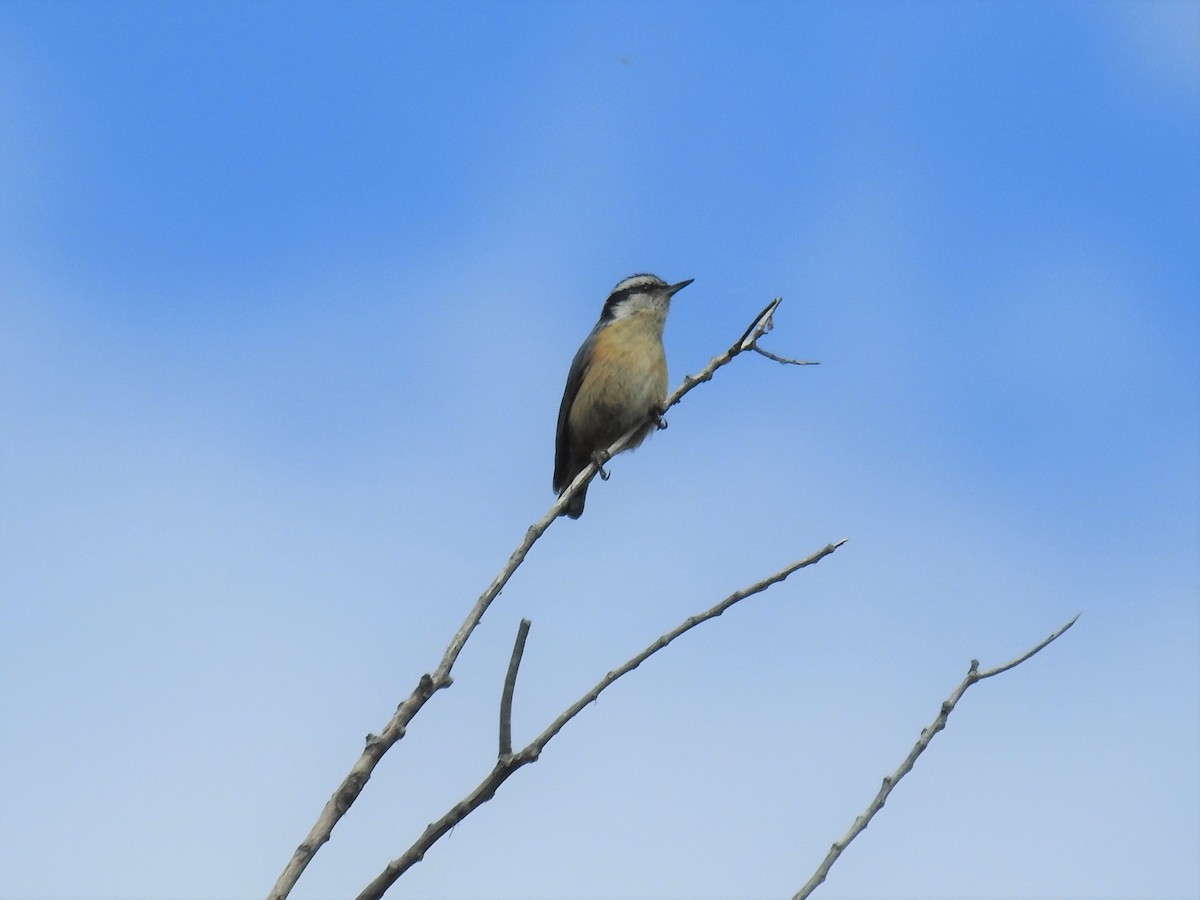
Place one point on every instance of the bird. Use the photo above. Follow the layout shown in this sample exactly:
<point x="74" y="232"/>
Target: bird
<point x="617" y="380"/>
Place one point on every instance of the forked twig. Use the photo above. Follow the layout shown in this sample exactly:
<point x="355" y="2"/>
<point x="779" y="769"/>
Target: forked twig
<point x="507" y="765"/>
<point x="860" y="824"/>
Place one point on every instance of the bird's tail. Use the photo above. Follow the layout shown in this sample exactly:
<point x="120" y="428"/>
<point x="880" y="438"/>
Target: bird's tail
<point x="574" y="507"/>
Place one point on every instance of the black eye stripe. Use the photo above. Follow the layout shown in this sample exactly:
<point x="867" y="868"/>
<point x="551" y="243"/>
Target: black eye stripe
<point x="616" y="298"/>
<point x="646" y="284"/>
<point x="625" y="294"/>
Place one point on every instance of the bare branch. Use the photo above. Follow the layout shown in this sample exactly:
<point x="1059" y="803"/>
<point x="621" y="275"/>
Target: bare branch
<point x="510" y="684"/>
<point x="429" y="684"/>
<point x="860" y="824"/>
<point x="687" y="625"/>
<point x="507" y="765"/>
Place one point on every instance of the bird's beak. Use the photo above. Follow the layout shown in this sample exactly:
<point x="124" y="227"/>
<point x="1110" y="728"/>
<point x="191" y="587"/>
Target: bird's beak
<point x="676" y="288"/>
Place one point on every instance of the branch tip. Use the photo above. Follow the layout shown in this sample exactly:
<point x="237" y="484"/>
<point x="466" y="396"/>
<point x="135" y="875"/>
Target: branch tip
<point x="889" y="782"/>
<point x="510" y="684"/>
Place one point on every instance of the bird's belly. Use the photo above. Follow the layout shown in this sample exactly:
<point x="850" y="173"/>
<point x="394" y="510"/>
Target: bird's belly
<point x="626" y="380"/>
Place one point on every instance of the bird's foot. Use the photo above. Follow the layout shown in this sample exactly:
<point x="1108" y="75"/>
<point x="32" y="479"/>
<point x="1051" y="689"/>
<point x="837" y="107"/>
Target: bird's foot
<point x="600" y="458"/>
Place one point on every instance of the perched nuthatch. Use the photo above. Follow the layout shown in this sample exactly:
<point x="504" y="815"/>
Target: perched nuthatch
<point x="617" y="379"/>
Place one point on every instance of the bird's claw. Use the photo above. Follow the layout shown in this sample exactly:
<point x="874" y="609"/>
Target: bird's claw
<point x="600" y="458"/>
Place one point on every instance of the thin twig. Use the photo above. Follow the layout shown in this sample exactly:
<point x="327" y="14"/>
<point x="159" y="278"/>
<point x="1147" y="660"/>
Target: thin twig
<point x="429" y="684"/>
<point x="685" y="626"/>
<point x="760" y="326"/>
<point x="507" y="765"/>
<point x="860" y="824"/>
<point x="988" y="673"/>
<point x="783" y="359"/>
<point x="510" y="683"/>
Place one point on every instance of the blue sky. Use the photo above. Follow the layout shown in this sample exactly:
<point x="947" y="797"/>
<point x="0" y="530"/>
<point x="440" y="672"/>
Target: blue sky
<point x="288" y="294"/>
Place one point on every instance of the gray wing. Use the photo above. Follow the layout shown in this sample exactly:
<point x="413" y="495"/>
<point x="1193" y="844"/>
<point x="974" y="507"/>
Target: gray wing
<point x="562" y="450"/>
